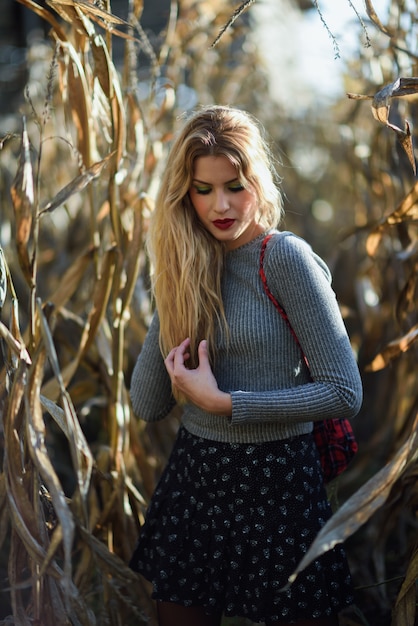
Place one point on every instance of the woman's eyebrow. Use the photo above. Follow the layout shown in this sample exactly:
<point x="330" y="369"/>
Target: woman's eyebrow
<point x="202" y="182"/>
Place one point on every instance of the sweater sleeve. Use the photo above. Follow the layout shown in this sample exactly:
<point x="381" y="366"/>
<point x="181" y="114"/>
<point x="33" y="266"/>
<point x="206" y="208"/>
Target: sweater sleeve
<point x="150" y="389"/>
<point x="301" y="282"/>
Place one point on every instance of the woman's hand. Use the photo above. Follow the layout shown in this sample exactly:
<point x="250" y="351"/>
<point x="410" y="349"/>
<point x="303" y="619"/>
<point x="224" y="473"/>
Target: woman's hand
<point x="198" y="385"/>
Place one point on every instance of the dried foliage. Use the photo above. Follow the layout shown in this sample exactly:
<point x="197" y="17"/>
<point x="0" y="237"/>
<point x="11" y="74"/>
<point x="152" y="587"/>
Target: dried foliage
<point x="383" y="511"/>
<point x="77" y="474"/>
<point x="77" y="470"/>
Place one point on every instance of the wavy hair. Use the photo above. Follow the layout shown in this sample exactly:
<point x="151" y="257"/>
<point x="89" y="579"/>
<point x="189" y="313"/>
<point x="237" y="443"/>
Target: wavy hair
<point x="186" y="260"/>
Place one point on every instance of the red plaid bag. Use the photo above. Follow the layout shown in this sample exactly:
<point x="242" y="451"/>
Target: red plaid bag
<point x="334" y="438"/>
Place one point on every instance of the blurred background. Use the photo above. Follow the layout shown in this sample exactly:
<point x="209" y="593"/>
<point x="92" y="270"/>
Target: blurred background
<point x="90" y="96"/>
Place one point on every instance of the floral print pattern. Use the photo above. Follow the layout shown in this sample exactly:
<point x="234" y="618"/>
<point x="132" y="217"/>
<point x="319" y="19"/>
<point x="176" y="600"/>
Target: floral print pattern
<point x="229" y="523"/>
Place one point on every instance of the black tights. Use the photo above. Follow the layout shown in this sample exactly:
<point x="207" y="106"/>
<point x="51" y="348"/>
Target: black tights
<point x="171" y="614"/>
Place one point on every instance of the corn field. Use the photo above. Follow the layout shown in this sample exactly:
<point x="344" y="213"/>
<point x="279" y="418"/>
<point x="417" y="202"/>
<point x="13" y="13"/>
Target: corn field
<point x="79" y="174"/>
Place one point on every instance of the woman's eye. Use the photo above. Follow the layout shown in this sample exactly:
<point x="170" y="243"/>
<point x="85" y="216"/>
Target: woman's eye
<point x="202" y="190"/>
<point x="236" y="188"/>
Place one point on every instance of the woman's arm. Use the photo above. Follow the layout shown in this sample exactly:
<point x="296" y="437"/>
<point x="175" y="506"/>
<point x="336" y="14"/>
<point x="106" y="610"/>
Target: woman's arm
<point x="300" y="281"/>
<point x="150" y="391"/>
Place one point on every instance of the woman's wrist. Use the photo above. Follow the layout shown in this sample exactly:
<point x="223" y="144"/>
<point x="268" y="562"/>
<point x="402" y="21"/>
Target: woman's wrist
<point x="222" y="404"/>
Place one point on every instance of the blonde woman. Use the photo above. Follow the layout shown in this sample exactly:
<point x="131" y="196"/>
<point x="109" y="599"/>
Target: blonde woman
<point x="242" y="496"/>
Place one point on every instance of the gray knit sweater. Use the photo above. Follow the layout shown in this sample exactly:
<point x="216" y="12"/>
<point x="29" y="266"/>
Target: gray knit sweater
<point x="273" y="394"/>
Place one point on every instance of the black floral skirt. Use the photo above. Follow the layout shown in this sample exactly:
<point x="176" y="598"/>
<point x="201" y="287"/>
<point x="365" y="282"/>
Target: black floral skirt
<point x="228" y="524"/>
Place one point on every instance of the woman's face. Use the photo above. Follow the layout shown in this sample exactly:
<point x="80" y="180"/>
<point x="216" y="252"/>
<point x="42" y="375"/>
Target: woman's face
<point x="225" y="208"/>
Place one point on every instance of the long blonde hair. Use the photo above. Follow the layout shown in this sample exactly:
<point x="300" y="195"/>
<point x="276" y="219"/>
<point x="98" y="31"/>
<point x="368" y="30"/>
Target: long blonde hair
<point x="186" y="260"/>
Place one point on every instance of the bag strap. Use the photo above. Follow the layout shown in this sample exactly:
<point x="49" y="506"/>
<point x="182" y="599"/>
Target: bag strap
<point x="272" y="298"/>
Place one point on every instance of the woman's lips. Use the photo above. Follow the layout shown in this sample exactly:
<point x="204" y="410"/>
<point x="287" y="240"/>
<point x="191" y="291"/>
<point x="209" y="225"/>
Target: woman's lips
<point x="223" y="224"/>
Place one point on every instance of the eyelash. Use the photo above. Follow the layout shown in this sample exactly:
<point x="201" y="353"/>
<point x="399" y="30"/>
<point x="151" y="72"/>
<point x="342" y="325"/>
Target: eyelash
<point x="202" y="192"/>
<point x="206" y="191"/>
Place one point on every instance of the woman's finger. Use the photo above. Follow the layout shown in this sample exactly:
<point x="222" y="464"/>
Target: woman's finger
<point x="169" y="361"/>
<point x="203" y="353"/>
<point x="180" y="352"/>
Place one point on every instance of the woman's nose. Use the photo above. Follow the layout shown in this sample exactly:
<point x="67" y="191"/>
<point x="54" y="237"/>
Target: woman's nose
<point x="222" y="202"/>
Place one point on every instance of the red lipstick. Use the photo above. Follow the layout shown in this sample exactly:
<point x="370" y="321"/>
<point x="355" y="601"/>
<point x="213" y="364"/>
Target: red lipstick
<point x="223" y="224"/>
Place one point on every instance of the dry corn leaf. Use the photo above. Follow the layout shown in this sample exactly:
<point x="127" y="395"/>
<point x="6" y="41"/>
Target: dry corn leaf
<point x="14" y="345"/>
<point x="118" y="120"/>
<point x="3" y="279"/>
<point x="130" y="586"/>
<point x="131" y="488"/>
<point x="23" y="197"/>
<point x="36" y="433"/>
<point x="14" y="566"/>
<point x="102" y="65"/>
<point x="92" y="326"/>
<point x="90" y="8"/>
<point x="109" y="82"/>
<point x="373" y="240"/>
<point x="105" y="347"/>
<point x="133" y="256"/>
<point x="76" y="99"/>
<point x="381" y="108"/>
<point x="52" y="388"/>
<point x="406" y="603"/>
<point x="90" y="31"/>
<point x="410" y="252"/>
<point x="113" y="566"/>
<point x="6" y="280"/>
<point x="77" y="185"/>
<point x="4" y="511"/>
<point x="15" y="329"/>
<point x="360" y="507"/>
<point x="55" y="543"/>
<point x="169" y="41"/>
<point x="20" y="505"/>
<point x="374" y="17"/>
<point x="18" y="473"/>
<point x="393" y="350"/>
<point x="67" y="9"/>
<point x="57" y="413"/>
<point x="407" y="299"/>
<point x="407" y="210"/>
<point x="71" y="279"/>
<point x="46" y="15"/>
<point x="80" y="451"/>
<point x="135" y="134"/>
<point x="69" y="14"/>
<point x="83" y="565"/>
<point x="400" y="87"/>
<point x="100" y="299"/>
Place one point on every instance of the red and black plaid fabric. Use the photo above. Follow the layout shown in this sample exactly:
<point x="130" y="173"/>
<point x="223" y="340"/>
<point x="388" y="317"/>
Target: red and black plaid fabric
<point x="334" y="438"/>
<point x="337" y="445"/>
